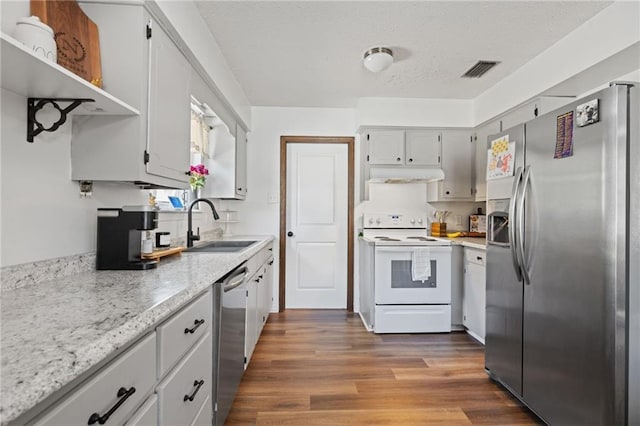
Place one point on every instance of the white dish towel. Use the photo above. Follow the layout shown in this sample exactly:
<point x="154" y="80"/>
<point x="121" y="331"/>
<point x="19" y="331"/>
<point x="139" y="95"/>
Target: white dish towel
<point x="421" y="264"/>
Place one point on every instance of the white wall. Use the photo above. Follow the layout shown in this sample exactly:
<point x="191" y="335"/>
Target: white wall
<point x="414" y="112"/>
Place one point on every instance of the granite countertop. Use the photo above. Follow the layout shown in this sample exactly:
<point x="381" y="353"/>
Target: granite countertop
<point x="472" y="242"/>
<point x="58" y="331"/>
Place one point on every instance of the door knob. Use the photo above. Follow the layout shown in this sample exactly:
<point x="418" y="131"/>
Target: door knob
<point x="289" y="234"/>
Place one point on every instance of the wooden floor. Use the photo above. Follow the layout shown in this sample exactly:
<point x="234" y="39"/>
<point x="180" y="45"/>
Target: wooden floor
<point x="322" y="367"/>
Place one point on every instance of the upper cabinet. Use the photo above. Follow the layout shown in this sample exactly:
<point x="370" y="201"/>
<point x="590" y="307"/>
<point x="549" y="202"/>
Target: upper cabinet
<point x="227" y="162"/>
<point x="386" y="147"/>
<point x="423" y="148"/>
<point x="169" y="105"/>
<point x="404" y="148"/>
<point x="481" y="143"/>
<point x="458" y="165"/>
<point x="142" y="66"/>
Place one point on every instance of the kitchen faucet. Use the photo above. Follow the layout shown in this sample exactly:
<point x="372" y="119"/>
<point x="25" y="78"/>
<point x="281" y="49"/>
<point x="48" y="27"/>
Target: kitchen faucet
<point x="190" y="236"/>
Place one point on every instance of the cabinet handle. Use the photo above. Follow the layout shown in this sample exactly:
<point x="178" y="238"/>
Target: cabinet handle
<point x="398" y="159"/>
<point x="411" y="160"/>
<point x="257" y="280"/>
<point x="271" y="263"/>
<point x="239" y="189"/>
<point x="196" y="324"/>
<point x="479" y="257"/>
<point x="447" y="192"/>
<point x="259" y="277"/>
<point x="187" y="173"/>
<point x="193" y="395"/>
<point x="270" y="248"/>
<point x="289" y="234"/>
<point x="123" y="394"/>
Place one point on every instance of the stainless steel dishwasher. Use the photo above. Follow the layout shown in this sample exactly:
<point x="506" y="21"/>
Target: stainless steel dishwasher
<point x="229" y="320"/>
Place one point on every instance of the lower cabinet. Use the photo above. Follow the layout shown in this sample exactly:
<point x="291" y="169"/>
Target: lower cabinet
<point x="259" y="298"/>
<point x="474" y="293"/>
<point x="132" y="390"/>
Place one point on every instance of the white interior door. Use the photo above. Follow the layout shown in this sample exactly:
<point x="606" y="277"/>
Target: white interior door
<point x="316" y="242"/>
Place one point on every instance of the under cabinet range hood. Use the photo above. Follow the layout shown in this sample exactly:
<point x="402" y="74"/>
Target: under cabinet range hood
<point x="405" y="174"/>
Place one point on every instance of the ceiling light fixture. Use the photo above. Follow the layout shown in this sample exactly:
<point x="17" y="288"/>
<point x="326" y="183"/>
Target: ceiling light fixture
<point x="378" y="59"/>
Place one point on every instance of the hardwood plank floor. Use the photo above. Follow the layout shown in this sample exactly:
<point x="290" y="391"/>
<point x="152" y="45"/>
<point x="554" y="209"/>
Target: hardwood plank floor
<point x="321" y="367"/>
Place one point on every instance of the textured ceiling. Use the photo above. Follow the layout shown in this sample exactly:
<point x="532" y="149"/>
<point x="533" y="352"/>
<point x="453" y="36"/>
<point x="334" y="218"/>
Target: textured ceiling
<point x="308" y="53"/>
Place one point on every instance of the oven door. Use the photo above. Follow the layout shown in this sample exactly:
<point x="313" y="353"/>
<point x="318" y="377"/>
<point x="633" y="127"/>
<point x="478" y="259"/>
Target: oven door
<point x="393" y="282"/>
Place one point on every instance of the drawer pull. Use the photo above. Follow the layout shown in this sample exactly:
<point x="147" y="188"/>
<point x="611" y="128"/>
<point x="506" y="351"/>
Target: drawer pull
<point x="196" y="324"/>
<point x="123" y="394"/>
<point x="479" y="257"/>
<point x="193" y="395"/>
<point x="271" y="263"/>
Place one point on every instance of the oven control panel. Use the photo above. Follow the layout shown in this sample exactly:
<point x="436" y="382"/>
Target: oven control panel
<point x="395" y="220"/>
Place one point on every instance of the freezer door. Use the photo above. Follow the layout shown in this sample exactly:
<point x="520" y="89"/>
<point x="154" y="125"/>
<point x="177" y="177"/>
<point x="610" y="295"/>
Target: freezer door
<point x="573" y="240"/>
<point x="503" y="350"/>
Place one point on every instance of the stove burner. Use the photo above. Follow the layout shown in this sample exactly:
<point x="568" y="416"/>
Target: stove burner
<point x="386" y="239"/>
<point x="421" y="238"/>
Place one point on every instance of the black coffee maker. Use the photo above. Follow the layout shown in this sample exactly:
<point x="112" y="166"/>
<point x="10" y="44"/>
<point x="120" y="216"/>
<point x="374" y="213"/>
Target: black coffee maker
<point x="120" y="237"/>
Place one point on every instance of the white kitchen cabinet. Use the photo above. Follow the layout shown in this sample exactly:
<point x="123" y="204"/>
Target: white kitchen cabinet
<point x="458" y="165"/>
<point x="481" y="144"/>
<point x="259" y="297"/>
<point x="251" y="321"/>
<point x="144" y="67"/>
<point x="125" y="382"/>
<point x="386" y="147"/>
<point x="147" y="415"/>
<point x="474" y="293"/>
<point x="227" y="163"/>
<point x="423" y="148"/>
<point x="404" y="148"/>
<point x="182" y="393"/>
<point x="173" y="395"/>
<point x="182" y="331"/>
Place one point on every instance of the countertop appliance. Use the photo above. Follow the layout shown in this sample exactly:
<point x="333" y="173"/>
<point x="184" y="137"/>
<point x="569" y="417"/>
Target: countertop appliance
<point x="391" y="301"/>
<point x="563" y="281"/>
<point x="119" y="239"/>
<point x="229" y="319"/>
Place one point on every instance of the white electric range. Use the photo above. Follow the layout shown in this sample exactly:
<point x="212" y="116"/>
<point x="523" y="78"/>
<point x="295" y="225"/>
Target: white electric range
<point x="391" y="301"/>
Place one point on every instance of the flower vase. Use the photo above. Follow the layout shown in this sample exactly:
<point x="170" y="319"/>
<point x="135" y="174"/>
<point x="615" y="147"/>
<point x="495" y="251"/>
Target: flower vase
<point x="194" y="194"/>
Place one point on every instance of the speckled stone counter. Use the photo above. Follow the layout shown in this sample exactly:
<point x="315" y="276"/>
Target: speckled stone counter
<point x="472" y="242"/>
<point x="55" y="332"/>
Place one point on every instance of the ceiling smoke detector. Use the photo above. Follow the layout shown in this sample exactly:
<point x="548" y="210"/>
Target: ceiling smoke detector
<point x="378" y="59"/>
<point x="479" y="69"/>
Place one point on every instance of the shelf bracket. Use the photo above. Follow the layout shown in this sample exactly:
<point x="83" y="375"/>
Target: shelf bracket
<point x="34" y="127"/>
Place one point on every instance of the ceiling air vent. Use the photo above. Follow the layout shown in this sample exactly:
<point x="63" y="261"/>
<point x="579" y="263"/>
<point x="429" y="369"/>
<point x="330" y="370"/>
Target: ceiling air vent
<point x="479" y="69"/>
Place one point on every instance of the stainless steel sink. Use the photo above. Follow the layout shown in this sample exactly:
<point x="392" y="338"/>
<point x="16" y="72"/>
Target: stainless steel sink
<point x="221" y="246"/>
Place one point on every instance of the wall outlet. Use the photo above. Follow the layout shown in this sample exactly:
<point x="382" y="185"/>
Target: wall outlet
<point x="458" y="219"/>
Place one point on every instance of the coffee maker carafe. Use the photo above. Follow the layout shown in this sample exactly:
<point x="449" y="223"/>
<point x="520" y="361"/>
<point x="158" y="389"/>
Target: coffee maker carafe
<point x="120" y="235"/>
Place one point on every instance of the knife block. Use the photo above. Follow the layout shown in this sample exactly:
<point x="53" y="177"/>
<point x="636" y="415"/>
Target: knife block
<point x="438" y="229"/>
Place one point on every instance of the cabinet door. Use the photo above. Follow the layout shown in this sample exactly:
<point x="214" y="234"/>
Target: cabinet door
<point x="251" y="329"/>
<point x="241" y="162"/>
<point x="458" y="164"/>
<point x="480" y="139"/>
<point x="423" y="148"/>
<point x="169" y="109"/>
<point x="474" y="298"/>
<point x="386" y="147"/>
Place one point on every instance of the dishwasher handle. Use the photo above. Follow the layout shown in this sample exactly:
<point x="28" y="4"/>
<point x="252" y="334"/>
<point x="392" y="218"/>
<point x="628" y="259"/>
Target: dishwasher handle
<point x="235" y="280"/>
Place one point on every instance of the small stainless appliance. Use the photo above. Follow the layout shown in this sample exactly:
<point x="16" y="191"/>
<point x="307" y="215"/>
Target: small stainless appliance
<point x="120" y="237"/>
<point x="229" y="319"/>
<point x="391" y="301"/>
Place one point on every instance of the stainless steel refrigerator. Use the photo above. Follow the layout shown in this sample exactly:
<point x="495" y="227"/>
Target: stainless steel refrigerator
<point x="563" y="255"/>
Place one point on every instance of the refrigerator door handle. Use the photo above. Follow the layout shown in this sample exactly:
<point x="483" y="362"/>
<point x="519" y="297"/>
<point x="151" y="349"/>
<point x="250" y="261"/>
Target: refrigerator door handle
<point x="512" y="226"/>
<point x="521" y="200"/>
